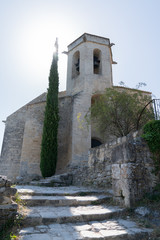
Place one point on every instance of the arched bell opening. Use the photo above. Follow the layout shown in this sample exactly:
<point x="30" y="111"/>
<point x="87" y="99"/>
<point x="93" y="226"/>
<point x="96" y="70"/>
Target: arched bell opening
<point x="97" y="61"/>
<point x="95" y="142"/>
<point x="76" y="64"/>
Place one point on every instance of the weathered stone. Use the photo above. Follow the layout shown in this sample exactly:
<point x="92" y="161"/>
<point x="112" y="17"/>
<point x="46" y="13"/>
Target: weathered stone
<point x="61" y="201"/>
<point x="24" y="128"/>
<point x="5" y="200"/>
<point x="36" y="237"/>
<point x="126" y="167"/>
<point x="49" y="214"/>
<point x="143" y="211"/>
<point x="8" y="210"/>
<point x="117" y="154"/>
<point x="85" y="221"/>
<point x="9" y="191"/>
<point x="116" y="171"/>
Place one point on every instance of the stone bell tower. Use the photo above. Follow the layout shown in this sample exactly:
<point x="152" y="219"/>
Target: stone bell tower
<point x="89" y="72"/>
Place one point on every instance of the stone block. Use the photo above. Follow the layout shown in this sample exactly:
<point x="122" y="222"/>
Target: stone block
<point x="116" y="171"/>
<point x="7" y="209"/>
<point x="126" y="171"/>
<point x="2" y="190"/>
<point x="5" y="200"/>
<point x="9" y="191"/>
<point x="117" y="187"/>
<point x="117" y="154"/>
<point x="123" y="139"/>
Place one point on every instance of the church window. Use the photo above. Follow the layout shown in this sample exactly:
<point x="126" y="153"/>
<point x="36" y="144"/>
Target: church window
<point x="76" y="64"/>
<point x="97" y="61"/>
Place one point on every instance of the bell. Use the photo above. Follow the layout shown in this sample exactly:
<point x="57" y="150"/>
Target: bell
<point x="77" y="66"/>
<point x="96" y="62"/>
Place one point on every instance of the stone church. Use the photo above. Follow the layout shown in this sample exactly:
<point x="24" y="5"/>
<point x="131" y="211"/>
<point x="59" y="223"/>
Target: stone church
<point x="89" y="72"/>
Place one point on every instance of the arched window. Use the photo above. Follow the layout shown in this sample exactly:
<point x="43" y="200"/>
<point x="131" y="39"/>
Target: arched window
<point x="76" y="64"/>
<point x="95" y="142"/>
<point x="97" y="61"/>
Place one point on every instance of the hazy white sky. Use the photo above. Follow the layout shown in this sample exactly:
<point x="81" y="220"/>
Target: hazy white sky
<point x="28" y="29"/>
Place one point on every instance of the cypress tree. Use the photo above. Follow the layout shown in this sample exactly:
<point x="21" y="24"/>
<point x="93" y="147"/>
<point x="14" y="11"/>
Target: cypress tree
<point x="49" y="146"/>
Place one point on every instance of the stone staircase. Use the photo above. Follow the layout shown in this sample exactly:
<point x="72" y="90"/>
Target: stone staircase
<point x="70" y="213"/>
<point x="55" y="181"/>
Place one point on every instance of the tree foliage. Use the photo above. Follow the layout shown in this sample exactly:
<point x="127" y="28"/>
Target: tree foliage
<point x="49" y="146"/>
<point x="151" y="133"/>
<point x="116" y="112"/>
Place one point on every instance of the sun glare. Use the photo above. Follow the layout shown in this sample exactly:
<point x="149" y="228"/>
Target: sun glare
<point x="38" y="44"/>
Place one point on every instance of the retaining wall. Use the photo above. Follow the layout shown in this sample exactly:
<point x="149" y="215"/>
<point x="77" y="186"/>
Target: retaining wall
<point x="124" y="165"/>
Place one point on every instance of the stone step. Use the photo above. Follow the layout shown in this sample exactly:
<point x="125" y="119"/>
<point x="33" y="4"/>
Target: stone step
<point x="59" y="191"/>
<point x="93" y="230"/>
<point x="46" y="215"/>
<point x="64" y="200"/>
<point x="48" y="184"/>
<point x="55" y="181"/>
<point x="72" y="213"/>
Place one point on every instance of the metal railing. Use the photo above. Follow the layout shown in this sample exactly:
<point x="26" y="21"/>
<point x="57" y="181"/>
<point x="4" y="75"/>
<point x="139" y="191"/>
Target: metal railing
<point x="156" y="108"/>
<point x="155" y="105"/>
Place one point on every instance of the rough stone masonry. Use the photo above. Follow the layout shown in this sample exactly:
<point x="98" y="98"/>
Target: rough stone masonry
<point x="124" y="165"/>
<point x="8" y="209"/>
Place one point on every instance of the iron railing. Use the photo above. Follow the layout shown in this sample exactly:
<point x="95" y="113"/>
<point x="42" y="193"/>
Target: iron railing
<point x="155" y="105"/>
<point x="156" y="108"/>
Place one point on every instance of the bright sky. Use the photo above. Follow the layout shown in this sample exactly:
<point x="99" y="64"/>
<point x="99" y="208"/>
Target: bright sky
<point x="28" y="29"/>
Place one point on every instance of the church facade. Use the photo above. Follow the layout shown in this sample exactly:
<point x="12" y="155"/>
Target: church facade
<point x="89" y="72"/>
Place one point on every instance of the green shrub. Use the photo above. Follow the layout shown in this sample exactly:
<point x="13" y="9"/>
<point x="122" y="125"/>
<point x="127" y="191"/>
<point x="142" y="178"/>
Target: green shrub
<point x="117" y="111"/>
<point x="152" y="135"/>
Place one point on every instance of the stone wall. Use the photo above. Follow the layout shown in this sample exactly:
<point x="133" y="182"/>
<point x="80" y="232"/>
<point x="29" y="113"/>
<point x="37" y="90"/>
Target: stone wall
<point x="21" y="149"/>
<point x="8" y="209"/>
<point x="12" y="143"/>
<point x="31" y="147"/>
<point x="123" y="165"/>
<point x="64" y="133"/>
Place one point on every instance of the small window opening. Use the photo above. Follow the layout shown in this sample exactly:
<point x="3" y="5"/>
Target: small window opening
<point x="97" y="61"/>
<point x="76" y="64"/>
<point x="95" y="143"/>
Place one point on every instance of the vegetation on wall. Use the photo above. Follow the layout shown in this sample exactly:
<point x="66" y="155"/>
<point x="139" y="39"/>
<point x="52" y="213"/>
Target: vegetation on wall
<point x="152" y="136"/>
<point x="116" y="112"/>
<point x="49" y="146"/>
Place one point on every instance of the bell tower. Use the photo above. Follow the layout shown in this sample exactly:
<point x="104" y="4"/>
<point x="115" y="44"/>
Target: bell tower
<point x="89" y="64"/>
<point x="89" y="71"/>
